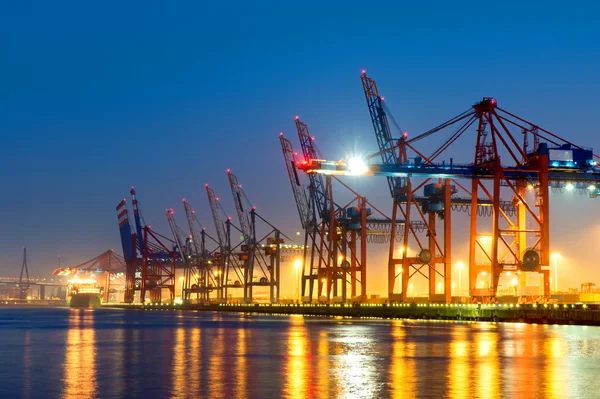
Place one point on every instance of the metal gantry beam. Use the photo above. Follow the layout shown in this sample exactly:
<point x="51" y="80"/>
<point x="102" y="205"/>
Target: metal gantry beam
<point x="518" y="233"/>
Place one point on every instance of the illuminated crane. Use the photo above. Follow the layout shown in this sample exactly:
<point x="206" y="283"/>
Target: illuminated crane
<point x="230" y="264"/>
<point x="200" y="278"/>
<point x="133" y="269"/>
<point x="432" y="249"/>
<point x="264" y="260"/>
<point x="339" y="233"/>
<point x="155" y="270"/>
<point x="179" y="247"/>
<point x="518" y="241"/>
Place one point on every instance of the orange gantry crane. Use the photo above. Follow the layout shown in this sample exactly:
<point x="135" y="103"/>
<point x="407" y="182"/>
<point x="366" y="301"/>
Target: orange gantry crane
<point x="513" y="157"/>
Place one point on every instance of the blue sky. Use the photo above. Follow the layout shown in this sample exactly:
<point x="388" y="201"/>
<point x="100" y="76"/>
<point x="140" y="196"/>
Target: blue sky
<point x="98" y="97"/>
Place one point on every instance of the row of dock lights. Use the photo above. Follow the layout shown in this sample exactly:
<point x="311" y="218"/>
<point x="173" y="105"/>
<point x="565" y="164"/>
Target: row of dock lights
<point x="378" y="305"/>
<point x="568" y="186"/>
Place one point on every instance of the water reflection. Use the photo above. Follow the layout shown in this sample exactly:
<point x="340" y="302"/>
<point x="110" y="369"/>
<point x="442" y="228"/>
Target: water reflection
<point x="557" y="379"/>
<point x="485" y="374"/>
<point x="189" y="355"/>
<point x="459" y="373"/>
<point x="297" y="359"/>
<point x="322" y="366"/>
<point x="179" y="368"/>
<point x="80" y="356"/>
<point x="241" y="378"/>
<point x="402" y="368"/>
<point x="355" y="362"/>
<point x="216" y="368"/>
<point x="27" y="366"/>
<point x="195" y="355"/>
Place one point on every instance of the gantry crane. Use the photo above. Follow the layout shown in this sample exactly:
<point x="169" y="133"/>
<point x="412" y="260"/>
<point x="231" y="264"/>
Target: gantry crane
<point x="338" y="234"/>
<point x="230" y="273"/>
<point x="432" y="249"/>
<point x="133" y="267"/>
<point x="201" y="277"/>
<point x="518" y="242"/>
<point x="155" y="270"/>
<point x="330" y="267"/>
<point x="180" y="248"/>
<point x="109" y="265"/>
<point x="264" y="260"/>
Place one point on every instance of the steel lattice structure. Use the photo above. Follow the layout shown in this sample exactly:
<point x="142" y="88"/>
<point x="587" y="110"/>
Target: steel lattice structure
<point x="513" y="157"/>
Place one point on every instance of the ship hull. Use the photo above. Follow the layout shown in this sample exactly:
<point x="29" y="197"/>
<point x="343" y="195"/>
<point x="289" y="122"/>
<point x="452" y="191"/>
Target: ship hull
<point x="85" y="300"/>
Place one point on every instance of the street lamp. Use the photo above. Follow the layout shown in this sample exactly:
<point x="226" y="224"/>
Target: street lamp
<point x="459" y="266"/>
<point x="298" y="265"/>
<point x="556" y="257"/>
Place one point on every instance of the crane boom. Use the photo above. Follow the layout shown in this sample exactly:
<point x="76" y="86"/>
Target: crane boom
<point x="381" y="126"/>
<point x="138" y="222"/>
<point x="302" y="203"/>
<point x="236" y="191"/>
<point x="317" y="186"/>
<point x="176" y="236"/>
<point x="213" y="201"/>
<point x="191" y="219"/>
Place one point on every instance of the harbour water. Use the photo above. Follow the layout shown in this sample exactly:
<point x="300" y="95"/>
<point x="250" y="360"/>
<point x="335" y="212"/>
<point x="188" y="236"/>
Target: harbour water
<point x="114" y="353"/>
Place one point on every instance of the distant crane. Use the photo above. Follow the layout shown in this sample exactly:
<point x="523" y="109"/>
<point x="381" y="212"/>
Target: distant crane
<point x="229" y="265"/>
<point x="155" y="270"/>
<point x="200" y="278"/>
<point x="263" y="259"/>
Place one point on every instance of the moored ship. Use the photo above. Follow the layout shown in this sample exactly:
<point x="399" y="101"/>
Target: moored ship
<point x="84" y="293"/>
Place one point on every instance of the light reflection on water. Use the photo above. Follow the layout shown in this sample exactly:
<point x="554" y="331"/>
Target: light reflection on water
<point x="65" y="353"/>
<point x="80" y="356"/>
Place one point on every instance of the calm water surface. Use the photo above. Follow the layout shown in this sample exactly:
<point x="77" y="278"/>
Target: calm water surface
<point x="103" y="353"/>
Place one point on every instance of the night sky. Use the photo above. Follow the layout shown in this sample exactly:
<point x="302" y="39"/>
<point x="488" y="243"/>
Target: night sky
<point x="95" y="98"/>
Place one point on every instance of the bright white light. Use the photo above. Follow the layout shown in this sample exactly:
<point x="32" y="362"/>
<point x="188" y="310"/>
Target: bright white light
<point x="569" y="187"/>
<point x="591" y="187"/>
<point x="357" y="166"/>
<point x="82" y="281"/>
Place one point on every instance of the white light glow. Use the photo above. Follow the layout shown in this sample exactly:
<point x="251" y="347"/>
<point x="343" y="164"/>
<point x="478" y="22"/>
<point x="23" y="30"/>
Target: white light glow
<point x="356" y="166"/>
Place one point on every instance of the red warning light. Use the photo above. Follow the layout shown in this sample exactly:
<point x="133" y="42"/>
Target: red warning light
<point x="183" y="200"/>
<point x="206" y="185"/>
<point x="382" y="98"/>
<point x="297" y="117"/>
<point x="228" y="170"/>
<point x="312" y="138"/>
<point x="253" y="208"/>
<point x="364" y="72"/>
<point x="280" y="134"/>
